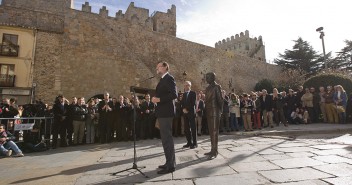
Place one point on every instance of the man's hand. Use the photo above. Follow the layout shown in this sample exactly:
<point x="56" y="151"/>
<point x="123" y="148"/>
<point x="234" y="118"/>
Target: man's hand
<point x="155" y="100"/>
<point x="185" y="110"/>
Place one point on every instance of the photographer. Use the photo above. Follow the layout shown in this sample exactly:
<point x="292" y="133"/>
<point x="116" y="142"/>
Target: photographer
<point x="6" y="143"/>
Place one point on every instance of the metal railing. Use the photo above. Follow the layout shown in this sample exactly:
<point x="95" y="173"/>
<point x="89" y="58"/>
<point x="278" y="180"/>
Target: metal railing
<point x="7" y="80"/>
<point x="40" y="125"/>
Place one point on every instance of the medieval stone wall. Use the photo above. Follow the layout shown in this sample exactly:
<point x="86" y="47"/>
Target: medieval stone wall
<point x="13" y="16"/>
<point x="50" y="6"/>
<point x="96" y="53"/>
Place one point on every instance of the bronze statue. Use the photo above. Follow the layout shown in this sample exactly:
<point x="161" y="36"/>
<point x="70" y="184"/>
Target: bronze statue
<point x="213" y="107"/>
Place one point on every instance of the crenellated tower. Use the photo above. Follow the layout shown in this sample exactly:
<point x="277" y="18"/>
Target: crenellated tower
<point x="158" y="21"/>
<point x="244" y="45"/>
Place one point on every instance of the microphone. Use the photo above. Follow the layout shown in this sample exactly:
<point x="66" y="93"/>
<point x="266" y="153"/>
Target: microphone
<point x="151" y="77"/>
<point x="147" y="79"/>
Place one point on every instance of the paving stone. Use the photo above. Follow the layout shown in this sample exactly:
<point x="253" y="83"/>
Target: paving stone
<point x="333" y="159"/>
<point x="340" y="180"/>
<point x="276" y="157"/>
<point x="297" y="162"/>
<point x="253" y="166"/>
<point x="201" y="156"/>
<point x="186" y="158"/>
<point x="332" y="152"/>
<point x="295" y="149"/>
<point x="261" y="146"/>
<point x="345" y="139"/>
<point x="105" y="176"/>
<point x="292" y="175"/>
<point x="301" y="154"/>
<point x="175" y="182"/>
<point x="241" y="178"/>
<point x="269" y="151"/>
<point x="328" y="147"/>
<point x="245" y="147"/>
<point x="204" y="169"/>
<point x="340" y="169"/>
<point x="246" y="141"/>
<point x="244" y="157"/>
<point x="293" y="144"/>
<point x="309" y="182"/>
<point x="346" y="155"/>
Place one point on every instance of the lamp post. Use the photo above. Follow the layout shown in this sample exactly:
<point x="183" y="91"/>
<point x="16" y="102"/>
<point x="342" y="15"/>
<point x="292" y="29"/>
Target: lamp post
<point x="320" y="30"/>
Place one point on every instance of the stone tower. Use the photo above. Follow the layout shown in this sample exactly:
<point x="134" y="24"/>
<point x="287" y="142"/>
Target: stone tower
<point x="244" y="45"/>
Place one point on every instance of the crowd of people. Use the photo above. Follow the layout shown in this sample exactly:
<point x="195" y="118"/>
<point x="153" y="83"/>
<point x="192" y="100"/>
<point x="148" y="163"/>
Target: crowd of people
<point x="111" y="119"/>
<point x="256" y="110"/>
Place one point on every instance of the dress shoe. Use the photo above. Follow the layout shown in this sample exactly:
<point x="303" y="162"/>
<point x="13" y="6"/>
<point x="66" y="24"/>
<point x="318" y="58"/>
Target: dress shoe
<point x="193" y="146"/>
<point x="166" y="171"/>
<point x="186" y="146"/>
<point x="162" y="166"/>
<point x="208" y="153"/>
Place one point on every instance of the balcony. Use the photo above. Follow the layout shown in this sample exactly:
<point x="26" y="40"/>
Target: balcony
<point x="9" y="50"/>
<point x="7" y="80"/>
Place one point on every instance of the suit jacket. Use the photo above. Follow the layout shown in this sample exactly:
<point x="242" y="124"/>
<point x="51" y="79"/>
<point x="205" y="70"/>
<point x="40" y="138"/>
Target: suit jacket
<point x="145" y="107"/>
<point x="102" y="112"/>
<point x="59" y="112"/>
<point x="268" y="103"/>
<point x="166" y="91"/>
<point x="189" y="103"/>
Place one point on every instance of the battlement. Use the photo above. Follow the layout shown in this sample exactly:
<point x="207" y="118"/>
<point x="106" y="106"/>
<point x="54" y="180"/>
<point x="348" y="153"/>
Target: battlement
<point x="158" y="21"/>
<point x="243" y="44"/>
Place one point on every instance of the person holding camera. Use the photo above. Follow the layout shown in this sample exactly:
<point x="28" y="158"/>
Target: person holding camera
<point x="6" y="143"/>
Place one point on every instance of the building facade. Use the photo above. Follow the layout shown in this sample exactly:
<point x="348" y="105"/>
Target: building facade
<point x="16" y="63"/>
<point x="80" y="53"/>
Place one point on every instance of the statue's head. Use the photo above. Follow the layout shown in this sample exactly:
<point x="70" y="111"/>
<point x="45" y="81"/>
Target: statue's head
<point x="210" y="77"/>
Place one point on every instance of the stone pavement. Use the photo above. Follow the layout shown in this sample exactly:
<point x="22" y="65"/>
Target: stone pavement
<point x="244" y="158"/>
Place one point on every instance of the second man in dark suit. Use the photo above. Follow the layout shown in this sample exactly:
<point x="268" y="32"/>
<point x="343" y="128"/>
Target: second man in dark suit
<point x="188" y="105"/>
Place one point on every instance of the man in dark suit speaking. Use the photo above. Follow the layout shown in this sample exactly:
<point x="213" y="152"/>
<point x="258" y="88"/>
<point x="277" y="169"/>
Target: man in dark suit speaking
<point x="188" y="105"/>
<point x="164" y="99"/>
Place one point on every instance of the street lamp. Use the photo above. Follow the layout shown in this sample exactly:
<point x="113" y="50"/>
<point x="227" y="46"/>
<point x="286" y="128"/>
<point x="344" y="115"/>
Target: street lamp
<point x="320" y="30"/>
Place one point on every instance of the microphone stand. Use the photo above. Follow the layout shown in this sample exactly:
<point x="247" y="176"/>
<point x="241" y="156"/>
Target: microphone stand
<point x="134" y="165"/>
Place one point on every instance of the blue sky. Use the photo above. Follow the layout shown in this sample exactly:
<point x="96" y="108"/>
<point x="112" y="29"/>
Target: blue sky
<point x="277" y="21"/>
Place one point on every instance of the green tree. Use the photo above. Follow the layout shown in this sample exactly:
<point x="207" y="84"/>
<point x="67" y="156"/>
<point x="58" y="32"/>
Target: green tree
<point x="302" y="56"/>
<point x="343" y="60"/>
<point x="265" y="84"/>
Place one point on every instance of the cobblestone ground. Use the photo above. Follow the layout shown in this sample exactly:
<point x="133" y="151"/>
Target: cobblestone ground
<point x="307" y="159"/>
